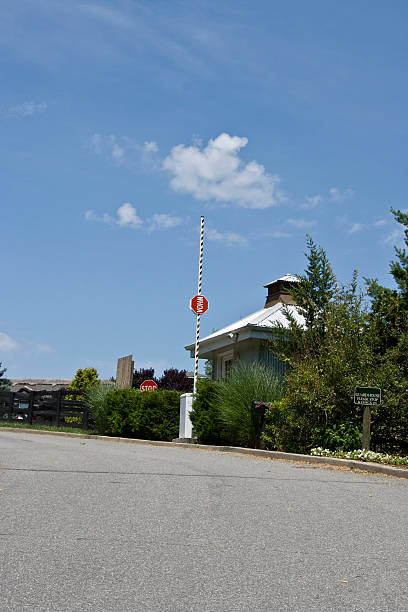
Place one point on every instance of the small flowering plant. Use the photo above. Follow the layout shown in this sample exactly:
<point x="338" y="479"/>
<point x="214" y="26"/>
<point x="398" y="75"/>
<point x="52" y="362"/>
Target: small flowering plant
<point x="360" y="455"/>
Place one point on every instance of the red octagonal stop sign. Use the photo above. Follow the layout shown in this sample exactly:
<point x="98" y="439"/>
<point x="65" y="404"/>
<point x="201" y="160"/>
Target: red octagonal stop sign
<point x="148" y="385"/>
<point x="199" y="304"/>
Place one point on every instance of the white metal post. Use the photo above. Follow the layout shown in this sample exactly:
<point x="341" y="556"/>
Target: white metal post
<point x="200" y="278"/>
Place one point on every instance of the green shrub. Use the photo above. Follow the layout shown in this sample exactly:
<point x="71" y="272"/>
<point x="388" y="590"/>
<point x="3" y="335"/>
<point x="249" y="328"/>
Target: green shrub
<point x="235" y="396"/>
<point x="281" y="429"/>
<point x="204" y="415"/>
<point x="284" y="430"/>
<point x="146" y="415"/>
<point x="341" y="437"/>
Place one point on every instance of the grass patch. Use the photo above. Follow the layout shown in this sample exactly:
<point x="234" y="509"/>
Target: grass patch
<point x="46" y="427"/>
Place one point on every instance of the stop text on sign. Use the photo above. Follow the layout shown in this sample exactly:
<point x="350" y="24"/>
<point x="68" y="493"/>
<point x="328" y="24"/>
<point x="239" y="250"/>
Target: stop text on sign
<point x="199" y="304"/>
<point x="148" y="385"/>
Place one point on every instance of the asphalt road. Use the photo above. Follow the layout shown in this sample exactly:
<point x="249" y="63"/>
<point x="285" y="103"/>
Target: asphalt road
<point x="91" y="525"/>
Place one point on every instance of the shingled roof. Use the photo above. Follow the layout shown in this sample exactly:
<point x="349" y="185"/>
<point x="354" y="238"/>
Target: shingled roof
<point x="39" y="384"/>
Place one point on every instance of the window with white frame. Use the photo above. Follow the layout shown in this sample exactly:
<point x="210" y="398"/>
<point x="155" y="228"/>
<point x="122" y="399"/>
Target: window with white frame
<point x="226" y="361"/>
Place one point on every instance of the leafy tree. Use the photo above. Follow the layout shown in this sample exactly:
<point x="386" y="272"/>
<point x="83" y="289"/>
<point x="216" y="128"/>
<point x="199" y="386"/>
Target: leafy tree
<point x="84" y="379"/>
<point x="176" y="380"/>
<point x="5" y="383"/>
<point x="327" y="357"/>
<point x="172" y="379"/>
<point x="321" y="378"/>
<point x="389" y="322"/>
<point x="141" y="375"/>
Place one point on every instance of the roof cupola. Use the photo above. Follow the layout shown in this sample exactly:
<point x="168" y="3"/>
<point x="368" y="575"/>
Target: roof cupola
<point x="279" y="290"/>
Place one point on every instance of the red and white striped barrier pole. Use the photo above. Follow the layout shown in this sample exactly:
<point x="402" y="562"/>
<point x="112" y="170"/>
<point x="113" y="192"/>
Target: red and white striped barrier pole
<point x="200" y="278"/>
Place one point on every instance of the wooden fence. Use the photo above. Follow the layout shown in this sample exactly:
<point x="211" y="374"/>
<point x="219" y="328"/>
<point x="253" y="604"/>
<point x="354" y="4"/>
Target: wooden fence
<point x="44" y="408"/>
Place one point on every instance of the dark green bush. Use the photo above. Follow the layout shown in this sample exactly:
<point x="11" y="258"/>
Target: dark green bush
<point x="281" y="429"/>
<point x="204" y="415"/>
<point x="339" y="437"/>
<point x="149" y="415"/>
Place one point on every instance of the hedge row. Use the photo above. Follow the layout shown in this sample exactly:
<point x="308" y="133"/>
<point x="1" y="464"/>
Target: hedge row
<point x="133" y="414"/>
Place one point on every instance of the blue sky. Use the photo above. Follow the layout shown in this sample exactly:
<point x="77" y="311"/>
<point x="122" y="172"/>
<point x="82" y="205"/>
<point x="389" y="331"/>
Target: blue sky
<point x="123" y="122"/>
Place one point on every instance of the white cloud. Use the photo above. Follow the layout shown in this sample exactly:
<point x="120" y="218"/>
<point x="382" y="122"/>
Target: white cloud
<point x="312" y="201"/>
<point x="127" y="216"/>
<point x="150" y="146"/>
<point x="95" y="143"/>
<point x="216" y="172"/>
<point x="396" y="237"/>
<point x="301" y="223"/>
<point x="7" y="343"/>
<point x="230" y="239"/>
<point x="124" y="151"/>
<point x="280" y="235"/>
<point x="349" y="227"/>
<point x="355" y="227"/>
<point x="342" y="220"/>
<point x="26" y="109"/>
<point x="118" y="152"/>
<point x="380" y="222"/>
<point x="110" y="147"/>
<point x="164" y="221"/>
<point x="335" y="195"/>
<point x="91" y="215"/>
<point x="339" y="196"/>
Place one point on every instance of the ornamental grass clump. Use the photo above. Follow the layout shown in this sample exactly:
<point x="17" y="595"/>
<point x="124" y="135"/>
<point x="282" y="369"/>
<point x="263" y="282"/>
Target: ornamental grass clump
<point x="235" y="395"/>
<point x="95" y="399"/>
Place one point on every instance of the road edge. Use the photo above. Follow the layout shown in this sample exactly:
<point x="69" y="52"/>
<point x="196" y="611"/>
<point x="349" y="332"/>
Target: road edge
<point x="351" y="464"/>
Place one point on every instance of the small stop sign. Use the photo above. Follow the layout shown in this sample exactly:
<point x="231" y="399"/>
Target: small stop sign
<point x="199" y="304"/>
<point x="148" y="385"/>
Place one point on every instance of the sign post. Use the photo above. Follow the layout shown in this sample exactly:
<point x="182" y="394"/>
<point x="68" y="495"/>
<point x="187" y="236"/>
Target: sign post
<point x="367" y="397"/>
<point x="198" y="304"/>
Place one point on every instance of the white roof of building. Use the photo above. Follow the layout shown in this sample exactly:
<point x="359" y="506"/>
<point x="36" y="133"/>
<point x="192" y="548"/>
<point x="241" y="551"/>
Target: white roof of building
<point x="266" y="317"/>
<point x="286" y="277"/>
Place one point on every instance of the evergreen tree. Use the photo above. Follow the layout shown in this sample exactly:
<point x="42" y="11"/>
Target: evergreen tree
<point x="316" y="287"/>
<point x="5" y="383"/>
<point x="389" y="309"/>
<point x="313" y="294"/>
<point x="389" y="323"/>
<point x="399" y="269"/>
